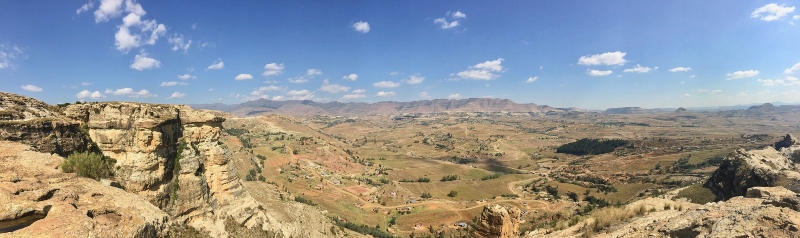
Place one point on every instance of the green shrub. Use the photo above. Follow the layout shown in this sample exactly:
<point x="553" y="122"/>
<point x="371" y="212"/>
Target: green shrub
<point x="90" y="165"/>
<point x="452" y="194"/>
<point x="697" y="194"/>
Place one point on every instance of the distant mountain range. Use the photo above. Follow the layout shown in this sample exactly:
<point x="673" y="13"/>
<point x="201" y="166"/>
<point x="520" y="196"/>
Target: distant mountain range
<point x="472" y="105"/>
<point x="310" y="108"/>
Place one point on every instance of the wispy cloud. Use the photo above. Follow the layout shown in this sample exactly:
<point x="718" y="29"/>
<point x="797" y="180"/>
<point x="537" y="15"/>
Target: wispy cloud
<point x="218" y="64"/>
<point x="31" y="88"/>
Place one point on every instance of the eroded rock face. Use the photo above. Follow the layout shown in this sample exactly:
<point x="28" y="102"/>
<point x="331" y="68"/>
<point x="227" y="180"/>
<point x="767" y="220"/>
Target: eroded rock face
<point x="737" y="217"/>
<point x="742" y="170"/>
<point x="38" y="200"/>
<point x="196" y="184"/>
<point x="39" y="125"/>
<point x="498" y="220"/>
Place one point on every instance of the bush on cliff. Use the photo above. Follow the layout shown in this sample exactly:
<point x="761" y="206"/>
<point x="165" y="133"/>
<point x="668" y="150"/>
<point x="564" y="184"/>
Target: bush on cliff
<point x="90" y="165"/>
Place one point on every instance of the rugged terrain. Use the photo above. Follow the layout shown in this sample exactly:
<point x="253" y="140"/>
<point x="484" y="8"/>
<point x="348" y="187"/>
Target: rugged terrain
<point x="168" y="155"/>
<point x="747" y="209"/>
<point x="453" y="168"/>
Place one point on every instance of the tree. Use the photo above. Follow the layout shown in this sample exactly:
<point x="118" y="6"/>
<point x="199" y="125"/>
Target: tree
<point x="426" y="195"/>
<point x="452" y="194"/>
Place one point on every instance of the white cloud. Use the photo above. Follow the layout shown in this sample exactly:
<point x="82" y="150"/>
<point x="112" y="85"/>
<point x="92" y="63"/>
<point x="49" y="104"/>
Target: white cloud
<point x="771" y="12"/>
<point x="270" y="88"/>
<point x="243" y="77"/>
<point x="172" y="83"/>
<point x="312" y="72"/>
<point x="85" y="7"/>
<point x="742" y="74"/>
<point x="131" y="93"/>
<point x="142" y="62"/>
<point x="273" y="69"/>
<point x="594" y="72"/>
<point x="531" y="79"/>
<point x="386" y="84"/>
<point x="353" y="96"/>
<point x="133" y="32"/>
<point x="693" y="76"/>
<point x="351" y="77"/>
<point x="177" y="95"/>
<point x="125" y="41"/>
<point x="414" y="79"/>
<point x="788" y="81"/>
<point x="793" y="69"/>
<point x="186" y="76"/>
<point x="444" y="23"/>
<point x="384" y="94"/>
<point x="361" y="26"/>
<point x="424" y="94"/>
<point x="454" y="16"/>
<point x="298" y="80"/>
<point x="108" y="9"/>
<point x="608" y="58"/>
<point x="483" y="71"/>
<point x="7" y="54"/>
<point x="394" y="73"/>
<point x="300" y="95"/>
<point x="31" y="87"/>
<point x="179" y="43"/>
<point x="680" y="69"/>
<point x="88" y="94"/>
<point x="298" y="92"/>
<point x="359" y="91"/>
<point x="455" y="96"/>
<point x="638" y="69"/>
<point x="208" y="45"/>
<point x="218" y="64"/>
<point x="333" y="88"/>
<point x="458" y="14"/>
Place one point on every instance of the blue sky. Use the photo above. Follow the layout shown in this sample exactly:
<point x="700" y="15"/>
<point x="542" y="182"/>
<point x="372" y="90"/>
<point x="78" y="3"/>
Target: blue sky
<point x="586" y="54"/>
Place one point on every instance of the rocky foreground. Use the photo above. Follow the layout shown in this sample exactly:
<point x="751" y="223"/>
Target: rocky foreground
<point x="171" y="170"/>
<point x="758" y="197"/>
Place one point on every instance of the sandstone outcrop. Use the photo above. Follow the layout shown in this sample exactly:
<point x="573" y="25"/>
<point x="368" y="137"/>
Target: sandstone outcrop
<point x="39" y="125"/>
<point x="498" y="221"/>
<point x="767" y="167"/>
<point x="171" y="156"/>
<point x="38" y="200"/>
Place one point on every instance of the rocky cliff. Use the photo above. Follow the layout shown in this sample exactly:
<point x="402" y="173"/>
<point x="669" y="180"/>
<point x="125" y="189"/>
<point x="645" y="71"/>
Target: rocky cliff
<point x="498" y="221"/>
<point x="767" y="167"/>
<point x="39" y="125"/>
<point x="38" y="200"/>
<point x="171" y="156"/>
